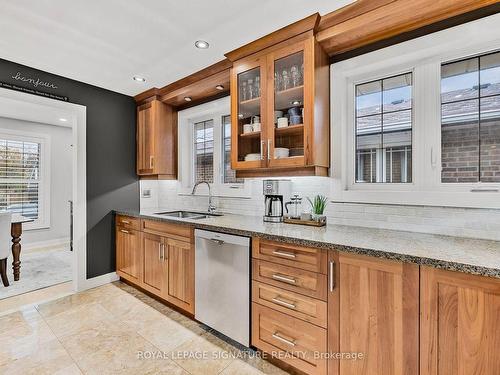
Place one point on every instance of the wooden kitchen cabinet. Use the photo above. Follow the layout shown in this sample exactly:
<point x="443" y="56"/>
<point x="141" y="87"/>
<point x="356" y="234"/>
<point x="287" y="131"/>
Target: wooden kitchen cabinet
<point x="180" y="290"/>
<point x="156" y="140"/>
<point x="128" y="253"/>
<point x="290" y="76"/>
<point x="155" y="264"/>
<point x="378" y="315"/>
<point x="460" y="323"/>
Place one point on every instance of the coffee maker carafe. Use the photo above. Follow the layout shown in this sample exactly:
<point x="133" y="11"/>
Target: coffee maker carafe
<point x="274" y="193"/>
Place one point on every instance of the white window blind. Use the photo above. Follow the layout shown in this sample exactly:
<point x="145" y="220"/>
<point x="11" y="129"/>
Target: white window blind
<point x="20" y="177"/>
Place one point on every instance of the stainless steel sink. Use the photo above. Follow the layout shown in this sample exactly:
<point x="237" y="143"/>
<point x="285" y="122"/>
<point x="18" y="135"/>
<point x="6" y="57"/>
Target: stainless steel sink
<point x="187" y="214"/>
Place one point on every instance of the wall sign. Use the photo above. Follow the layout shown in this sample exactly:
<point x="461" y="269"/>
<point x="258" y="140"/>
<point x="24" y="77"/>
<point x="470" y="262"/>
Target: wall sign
<point x="36" y="86"/>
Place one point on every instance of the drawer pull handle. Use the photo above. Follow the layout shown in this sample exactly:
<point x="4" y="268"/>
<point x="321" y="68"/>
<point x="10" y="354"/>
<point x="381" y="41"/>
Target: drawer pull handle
<point x="124" y="231"/>
<point x="284" y="254"/>
<point x="332" y="276"/>
<point x="277" y="336"/>
<point x="125" y="222"/>
<point x="279" y="301"/>
<point x="285" y="279"/>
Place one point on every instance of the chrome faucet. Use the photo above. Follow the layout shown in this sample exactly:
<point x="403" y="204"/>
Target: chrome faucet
<point x="211" y="206"/>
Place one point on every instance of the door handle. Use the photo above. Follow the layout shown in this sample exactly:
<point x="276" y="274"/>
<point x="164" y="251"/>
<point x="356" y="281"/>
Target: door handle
<point x="124" y="231"/>
<point x="332" y="275"/>
<point x="262" y="144"/>
<point x="151" y="161"/>
<point x="285" y="279"/>
<point x="159" y="250"/>
<point x="279" y="301"/>
<point x="277" y="336"/>
<point x="163" y="251"/>
<point x="268" y="149"/>
<point x="125" y="222"/>
<point x="284" y="254"/>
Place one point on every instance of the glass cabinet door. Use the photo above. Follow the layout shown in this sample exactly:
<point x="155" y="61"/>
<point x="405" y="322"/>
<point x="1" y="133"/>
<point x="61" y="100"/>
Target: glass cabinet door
<point x="286" y="145"/>
<point x="248" y="120"/>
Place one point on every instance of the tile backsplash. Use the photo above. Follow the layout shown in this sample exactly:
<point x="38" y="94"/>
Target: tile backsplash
<point x="465" y="222"/>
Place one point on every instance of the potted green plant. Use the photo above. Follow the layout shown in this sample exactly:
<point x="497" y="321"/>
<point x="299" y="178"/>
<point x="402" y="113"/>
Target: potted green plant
<point x="318" y="205"/>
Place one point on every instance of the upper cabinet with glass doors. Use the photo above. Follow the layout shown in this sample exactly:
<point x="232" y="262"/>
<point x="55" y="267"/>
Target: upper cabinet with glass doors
<point x="280" y="110"/>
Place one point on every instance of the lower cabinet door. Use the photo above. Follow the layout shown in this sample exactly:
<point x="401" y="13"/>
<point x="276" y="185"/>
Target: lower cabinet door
<point x="378" y="316"/>
<point x="297" y="343"/>
<point x="460" y="323"/>
<point x="180" y="290"/>
<point x="155" y="264"/>
<point x="128" y="254"/>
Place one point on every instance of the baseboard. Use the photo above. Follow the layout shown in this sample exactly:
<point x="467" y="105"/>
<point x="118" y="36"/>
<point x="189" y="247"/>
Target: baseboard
<point x="40" y="246"/>
<point x="99" y="280"/>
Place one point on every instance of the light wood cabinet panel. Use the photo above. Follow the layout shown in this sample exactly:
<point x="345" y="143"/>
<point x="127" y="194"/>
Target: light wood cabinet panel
<point x="128" y="254"/>
<point x="378" y="315"/>
<point x="297" y="305"/>
<point x="181" y="281"/>
<point x="307" y="258"/>
<point x="289" y="278"/>
<point x="280" y="334"/>
<point x="460" y="324"/>
<point x="155" y="264"/>
<point x="156" y="140"/>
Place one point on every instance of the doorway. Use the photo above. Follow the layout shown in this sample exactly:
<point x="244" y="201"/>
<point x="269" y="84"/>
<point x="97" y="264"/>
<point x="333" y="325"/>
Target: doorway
<point x="51" y="137"/>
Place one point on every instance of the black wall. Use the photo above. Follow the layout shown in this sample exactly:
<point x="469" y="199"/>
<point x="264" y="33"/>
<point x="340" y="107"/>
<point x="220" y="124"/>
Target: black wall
<point x="111" y="179"/>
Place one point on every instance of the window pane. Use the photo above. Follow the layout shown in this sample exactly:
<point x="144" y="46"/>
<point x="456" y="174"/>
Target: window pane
<point x="384" y="141"/>
<point x="490" y="74"/>
<point x="204" y="151"/>
<point x="460" y="141"/>
<point x="368" y="98"/>
<point x="490" y="139"/>
<point x="397" y="93"/>
<point x="229" y="175"/>
<point x="470" y="129"/>
<point x="19" y="177"/>
<point x="459" y="81"/>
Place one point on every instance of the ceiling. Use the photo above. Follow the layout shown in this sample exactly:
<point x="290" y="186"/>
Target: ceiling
<point x="107" y="42"/>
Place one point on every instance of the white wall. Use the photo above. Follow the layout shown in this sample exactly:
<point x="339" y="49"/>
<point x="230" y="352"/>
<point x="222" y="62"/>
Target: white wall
<point x="60" y="181"/>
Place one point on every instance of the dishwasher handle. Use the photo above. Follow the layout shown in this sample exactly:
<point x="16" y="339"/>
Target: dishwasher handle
<point x="217" y="241"/>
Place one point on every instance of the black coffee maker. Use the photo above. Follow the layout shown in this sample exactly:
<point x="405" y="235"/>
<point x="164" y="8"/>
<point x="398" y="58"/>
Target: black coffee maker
<point x="275" y="192"/>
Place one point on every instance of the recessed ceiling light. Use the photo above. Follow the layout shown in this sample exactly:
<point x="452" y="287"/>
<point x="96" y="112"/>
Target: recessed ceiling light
<point x="219" y="87"/>
<point x="201" y="44"/>
<point x="63" y="119"/>
<point x="188" y="98"/>
<point x="139" y="79"/>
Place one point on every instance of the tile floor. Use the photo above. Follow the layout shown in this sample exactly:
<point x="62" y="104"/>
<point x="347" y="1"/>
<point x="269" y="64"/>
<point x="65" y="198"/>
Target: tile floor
<point x="115" y="329"/>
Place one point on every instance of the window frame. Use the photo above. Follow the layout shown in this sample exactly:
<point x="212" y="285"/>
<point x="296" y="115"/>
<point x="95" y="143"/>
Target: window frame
<point x="43" y="221"/>
<point x="214" y="110"/>
<point x="422" y="56"/>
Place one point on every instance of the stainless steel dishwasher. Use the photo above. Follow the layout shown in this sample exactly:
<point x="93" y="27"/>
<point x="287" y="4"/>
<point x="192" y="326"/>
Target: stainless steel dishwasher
<point x="222" y="289"/>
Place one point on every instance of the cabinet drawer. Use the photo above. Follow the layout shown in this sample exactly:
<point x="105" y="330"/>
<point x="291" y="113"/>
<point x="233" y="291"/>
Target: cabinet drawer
<point x="176" y="231"/>
<point x="128" y="222"/>
<point x="294" y="304"/>
<point x="293" y="341"/>
<point x="311" y="284"/>
<point x="306" y="258"/>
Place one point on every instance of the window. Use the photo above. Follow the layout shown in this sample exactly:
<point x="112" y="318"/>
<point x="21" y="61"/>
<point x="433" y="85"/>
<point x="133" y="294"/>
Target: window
<point x="23" y="177"/>
<point x="419" y="122"/>
<point x="384" y="130"/>
<point x="229" y="175"/>
<point x="470" y="120"/>
<point x="204" y="151"/>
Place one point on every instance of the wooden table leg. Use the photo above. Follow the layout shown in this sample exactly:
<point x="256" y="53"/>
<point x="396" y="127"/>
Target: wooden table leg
<point x="15" y="230"/>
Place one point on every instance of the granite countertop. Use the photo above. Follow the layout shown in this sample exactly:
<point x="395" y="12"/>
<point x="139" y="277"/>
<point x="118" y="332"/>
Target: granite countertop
<point x="475" y="256"/>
